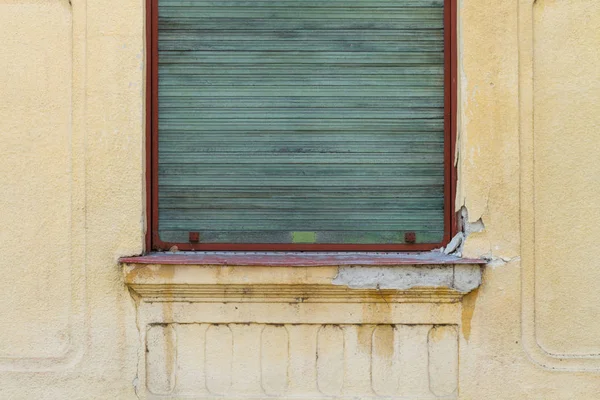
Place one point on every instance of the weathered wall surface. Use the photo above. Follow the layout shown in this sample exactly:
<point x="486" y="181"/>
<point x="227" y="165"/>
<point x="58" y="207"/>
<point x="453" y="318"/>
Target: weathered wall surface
<point x="71" y="196"/>
<point x="72" y="202"/>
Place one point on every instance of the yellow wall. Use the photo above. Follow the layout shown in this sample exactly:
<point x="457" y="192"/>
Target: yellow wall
<point x="72" y="202"/>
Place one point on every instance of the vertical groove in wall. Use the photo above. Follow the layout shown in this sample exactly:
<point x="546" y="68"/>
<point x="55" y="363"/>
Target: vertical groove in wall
<point x="191" y="359"/>
<point x="160" y="359"/>
<point x="442" y="346"/>
<point x="303" y="370"/>
<point x="246" y="371"/>
<point x="219" y="358"/>
<point x="253" y="360"/>
<point x="357" y="359"/>
<point x="274" y="359"/>
<point x="330" y="359"/>
<point x="412" y="364"/>
<point x="384" y="361"/>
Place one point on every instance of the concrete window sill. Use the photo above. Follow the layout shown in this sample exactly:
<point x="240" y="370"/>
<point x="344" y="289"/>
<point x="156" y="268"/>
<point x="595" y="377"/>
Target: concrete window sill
<point x="305" y="277"/>
<point x="299" y="259"/>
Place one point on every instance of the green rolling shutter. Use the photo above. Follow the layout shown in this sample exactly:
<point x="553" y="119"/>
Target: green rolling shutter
<point x="301" y="121"/>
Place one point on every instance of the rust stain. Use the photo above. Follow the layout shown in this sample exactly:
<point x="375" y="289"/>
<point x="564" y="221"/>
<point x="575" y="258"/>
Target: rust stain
<point x="383" y="342"/>
<point x="364" y="336"/>
<point x="149" y="273"/>
<point x="468" y="307"/>
<point x="170" y="352"/>
<point x="375" y="312"/>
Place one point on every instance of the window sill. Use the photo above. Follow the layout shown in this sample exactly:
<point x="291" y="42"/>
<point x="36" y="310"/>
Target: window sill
<point x="299" y="259"/>
<point x="301" y="277"/>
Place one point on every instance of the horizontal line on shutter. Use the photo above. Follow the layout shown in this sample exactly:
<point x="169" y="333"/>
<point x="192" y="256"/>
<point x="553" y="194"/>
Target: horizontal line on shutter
<point x="290" y="137"/>
<point x="314" y="219"/>
<point x="349" y="149"/>
<point x="402" y="85"/>
<point x="325" y="11"/>
<point x="301" y="202"/>
<point x="216" y="113"/>
<point x="309" y="191"/>
<point x="299" y="70"/>
<point x="302" y="92"/>
<point x="255" y="206"/>
<point x="326" y="133"/>
<point x="286" y="165"/>
<point x="322" y="126"/>
<point x="277" y="204"/>
<point x="278" y="73"/>
<point x="338" y="121"/>
<point x="253" y="156"/>
<point x="314" y="213"/>
<point x="419" y="35"/>
<point x="293" y="78"/>
<point x="259" y="181"/>
<point x="304" y="3"/>
<point x="300" y="57"/>
<point x="250" y="24"/>
<point x="294" y="113"/>
<point x="169" y="152"/>
<point x="301" y="46"/>
<point x="324" y="103"/>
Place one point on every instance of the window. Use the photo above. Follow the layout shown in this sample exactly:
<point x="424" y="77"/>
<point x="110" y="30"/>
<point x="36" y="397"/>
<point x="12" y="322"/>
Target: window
<point x="301" y="124"/>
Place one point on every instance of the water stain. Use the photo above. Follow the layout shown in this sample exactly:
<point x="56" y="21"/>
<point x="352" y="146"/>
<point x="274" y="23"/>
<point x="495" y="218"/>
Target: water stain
<point x="468" y="308"/>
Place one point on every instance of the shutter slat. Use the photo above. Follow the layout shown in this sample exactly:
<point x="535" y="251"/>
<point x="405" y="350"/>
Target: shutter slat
<point x="202" y="82"/>
<point x="282" y="11"/>
<point x="261" y="24"/>
<point x="304" y="3"/>
<point x="215" y="59"/>
<point x="363" y="125"/>
<point x="168" y="70"/>
<point x="301" y="121"/>
<point x="175" y="102"/>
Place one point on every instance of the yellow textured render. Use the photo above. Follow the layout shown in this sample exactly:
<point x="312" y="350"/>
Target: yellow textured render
<point x="75" y="324"/>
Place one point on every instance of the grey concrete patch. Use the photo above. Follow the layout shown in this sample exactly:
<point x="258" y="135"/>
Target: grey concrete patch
<point x="467" y="277"/>
<point x="403" y="277"/>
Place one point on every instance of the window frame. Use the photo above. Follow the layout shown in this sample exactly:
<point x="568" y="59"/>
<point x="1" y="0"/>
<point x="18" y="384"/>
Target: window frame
<point x="152" y="239"/>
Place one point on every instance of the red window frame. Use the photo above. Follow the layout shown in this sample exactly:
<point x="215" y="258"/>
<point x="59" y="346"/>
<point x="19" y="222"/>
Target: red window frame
<point x="152" y="239"/>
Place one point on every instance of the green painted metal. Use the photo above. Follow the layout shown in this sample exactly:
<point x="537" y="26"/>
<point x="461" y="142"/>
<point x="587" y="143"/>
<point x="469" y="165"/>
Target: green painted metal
<point x="301" y="121"/>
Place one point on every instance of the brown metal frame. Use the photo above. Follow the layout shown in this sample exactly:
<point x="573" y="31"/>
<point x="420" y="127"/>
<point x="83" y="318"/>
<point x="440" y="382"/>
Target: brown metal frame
<point x="153" y="241"/>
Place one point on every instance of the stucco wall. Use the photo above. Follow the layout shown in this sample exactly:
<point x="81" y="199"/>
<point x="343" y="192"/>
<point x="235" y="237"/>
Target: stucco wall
<point x="72" y="203"/>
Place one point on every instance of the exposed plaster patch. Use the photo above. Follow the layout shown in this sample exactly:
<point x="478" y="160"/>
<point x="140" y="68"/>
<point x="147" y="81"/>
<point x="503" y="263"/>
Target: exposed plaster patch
<point x="466" y="277"/>
<point x="495" y="261"/>
<point x="400" y="278"/>
<point x="462" y="278"/>
<point x="455" y="247"/>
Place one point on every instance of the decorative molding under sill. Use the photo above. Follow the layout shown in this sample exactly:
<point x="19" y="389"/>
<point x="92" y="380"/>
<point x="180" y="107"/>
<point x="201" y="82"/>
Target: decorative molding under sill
<point x="445" y="283"/>
<point x="290" y="294"/>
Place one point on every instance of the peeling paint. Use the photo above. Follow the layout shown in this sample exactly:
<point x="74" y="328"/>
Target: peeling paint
<point x="456" y="245"/>
<point x="495" y="261"/>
